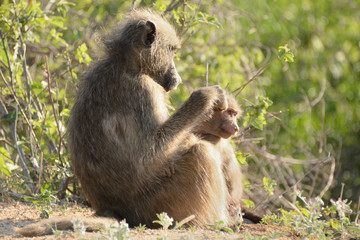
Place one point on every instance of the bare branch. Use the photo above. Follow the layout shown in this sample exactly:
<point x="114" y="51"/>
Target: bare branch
<point x="173" y="5"/>
<point x="8" y="60"/>
<point x="55" y="113"/>
<point x="239" y="90"/>
<point x="288" y="189"/>
<point x="331" y="178"/>
<point x="207" y="75"/>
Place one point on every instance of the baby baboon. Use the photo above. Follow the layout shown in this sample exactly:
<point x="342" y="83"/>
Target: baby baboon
<point x="217" y="130"/>
<point x="122" y="139"/>
<point x="221" y="126"/>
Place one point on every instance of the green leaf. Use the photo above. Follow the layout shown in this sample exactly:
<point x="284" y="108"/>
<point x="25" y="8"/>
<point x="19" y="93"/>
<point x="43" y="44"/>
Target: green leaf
<point x="265" y="180"/>
<point x="10" y="117"/>
<point x="257" y="123"/>
<point x="241" y="159"/>
<point x="246" y="120"/>
<point x="6" y="166"/>
<point x="227" y="229"/>
<point x="329" y="210"/>
<point x="285" y="53"/>
<point x="37" y="87"/>
<point x="57" y="21"/>
<point x="305" y="212"/>
<point x="248" y="203"/>
<point x="288" y="57"/>
<point x="65" y="112"/>
<point x="334" y="223"/>
<point x="268" y="102"/>
<point x="269" y="185"/>
<point x="81" y="54"/>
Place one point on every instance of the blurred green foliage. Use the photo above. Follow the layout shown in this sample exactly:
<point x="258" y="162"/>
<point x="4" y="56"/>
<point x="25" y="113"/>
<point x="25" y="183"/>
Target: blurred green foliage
<point x="302" y="110"/>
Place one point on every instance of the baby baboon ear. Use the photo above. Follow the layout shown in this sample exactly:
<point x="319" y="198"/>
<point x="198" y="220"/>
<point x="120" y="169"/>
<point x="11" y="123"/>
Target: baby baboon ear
<point x="149" y="33"/>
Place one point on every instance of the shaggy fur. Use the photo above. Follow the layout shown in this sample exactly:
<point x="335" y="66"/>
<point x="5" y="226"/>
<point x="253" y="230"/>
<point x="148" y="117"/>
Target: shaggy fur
<point x="122" y="139"/>
<point x="212" y="130"/>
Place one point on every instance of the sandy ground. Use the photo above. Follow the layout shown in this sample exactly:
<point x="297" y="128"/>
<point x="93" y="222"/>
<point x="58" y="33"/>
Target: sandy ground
<point x="20" y="214"/>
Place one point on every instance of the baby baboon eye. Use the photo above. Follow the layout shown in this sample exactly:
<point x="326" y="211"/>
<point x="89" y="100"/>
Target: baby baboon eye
<point x="231" y="112"/>
<point x="173" y="49"/>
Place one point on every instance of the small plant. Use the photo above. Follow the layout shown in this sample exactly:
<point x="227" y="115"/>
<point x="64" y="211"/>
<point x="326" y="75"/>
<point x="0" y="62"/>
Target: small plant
<point x="57" y="233"/>
<point x="241" y="157"/>
<point x="285" y="53"/>
<point x="312" y="220"/>
<point x="269" y="185"/>
<point x="248" y="203"/>
<point x="44" y="214"/>
<point x="141" y="228"/>
<point x="45" y="198"/>
<point x="79" y="227"/>
<point x="164" y="220"/>
<point x="238" y="219"/>
<point x="255" y="115"/>
<point x="220" y="226"/>
<point x="119" y="231"/>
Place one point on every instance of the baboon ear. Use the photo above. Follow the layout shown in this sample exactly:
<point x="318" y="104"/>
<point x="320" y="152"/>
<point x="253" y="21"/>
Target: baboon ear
<point x="149" y="33"/>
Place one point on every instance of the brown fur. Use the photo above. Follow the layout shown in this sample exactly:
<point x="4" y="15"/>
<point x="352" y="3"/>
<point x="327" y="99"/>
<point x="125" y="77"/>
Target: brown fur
<point x="122" y="138"/>
<point x="46" y="227"/>
<point x="217" y="130"/>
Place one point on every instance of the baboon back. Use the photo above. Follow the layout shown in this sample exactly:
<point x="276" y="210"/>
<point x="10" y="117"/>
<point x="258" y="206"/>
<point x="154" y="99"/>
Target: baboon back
<point x="122" y="139"/>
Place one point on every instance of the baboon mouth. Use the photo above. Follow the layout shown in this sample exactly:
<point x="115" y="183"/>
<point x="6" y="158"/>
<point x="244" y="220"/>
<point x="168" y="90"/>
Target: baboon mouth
<point x="225" y="134"/>
<point x="172" y="85"/>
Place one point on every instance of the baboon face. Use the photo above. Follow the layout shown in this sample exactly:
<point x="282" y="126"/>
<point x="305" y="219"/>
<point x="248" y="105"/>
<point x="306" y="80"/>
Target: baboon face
<point x="158" y="54"/>
<point x="171" y="79"/>
<point x="148" y="43"/>
<point x="223" y="124"/>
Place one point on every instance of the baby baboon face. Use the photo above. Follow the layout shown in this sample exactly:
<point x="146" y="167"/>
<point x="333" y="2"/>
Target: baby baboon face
<point x="227" y="123"/>
<point x="223" y="123"/>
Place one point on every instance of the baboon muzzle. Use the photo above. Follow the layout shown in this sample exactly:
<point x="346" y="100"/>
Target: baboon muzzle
<point x="171" y="79"/>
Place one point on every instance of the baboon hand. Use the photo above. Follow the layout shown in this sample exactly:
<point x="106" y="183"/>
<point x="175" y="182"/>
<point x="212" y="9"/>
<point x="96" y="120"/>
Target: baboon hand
<point x="213" y="95"/>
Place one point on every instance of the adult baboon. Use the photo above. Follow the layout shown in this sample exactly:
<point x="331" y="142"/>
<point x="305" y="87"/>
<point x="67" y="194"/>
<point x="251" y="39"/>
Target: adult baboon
<point x="217" y="130"/>
<point x="122" y="139"/>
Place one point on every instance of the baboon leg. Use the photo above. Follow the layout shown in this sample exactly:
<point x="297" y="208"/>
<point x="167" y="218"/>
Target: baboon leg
<point x="232" y="173"/>
<point x="234" y="178"/>
<point x="197" y="188"/>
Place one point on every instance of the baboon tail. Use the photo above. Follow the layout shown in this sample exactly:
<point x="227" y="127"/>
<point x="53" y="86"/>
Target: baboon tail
<point x="251" y="215"/>
<point x="48" y="226"/>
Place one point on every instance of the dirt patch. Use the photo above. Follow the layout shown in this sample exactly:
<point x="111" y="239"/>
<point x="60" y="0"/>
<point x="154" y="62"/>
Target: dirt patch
<point x="21" y="214"/>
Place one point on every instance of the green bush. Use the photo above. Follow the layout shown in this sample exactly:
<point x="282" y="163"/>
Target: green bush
<point x="300" y="126"/>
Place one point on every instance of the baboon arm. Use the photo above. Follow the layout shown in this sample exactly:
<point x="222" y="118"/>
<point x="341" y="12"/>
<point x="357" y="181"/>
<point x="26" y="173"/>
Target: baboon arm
<point x="197" y="108"/>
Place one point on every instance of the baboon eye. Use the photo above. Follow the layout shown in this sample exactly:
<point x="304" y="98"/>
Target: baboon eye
<point x="231" y="113"/>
